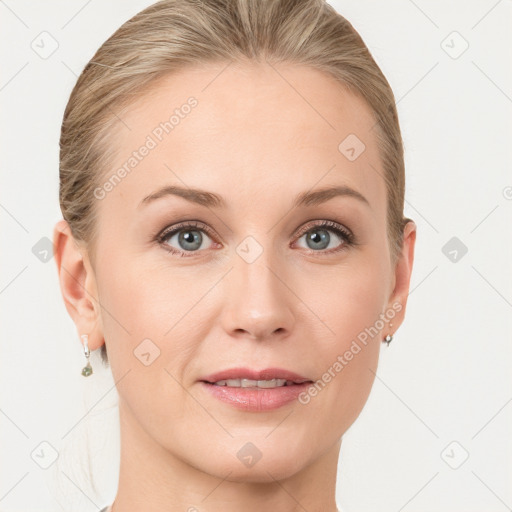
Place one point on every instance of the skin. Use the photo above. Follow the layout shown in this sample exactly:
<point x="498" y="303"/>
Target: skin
<point x="258" y="143"/>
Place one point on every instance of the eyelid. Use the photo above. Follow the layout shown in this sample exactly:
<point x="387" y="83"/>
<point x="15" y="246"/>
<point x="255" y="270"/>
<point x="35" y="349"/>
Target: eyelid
<point x="183" y="225"/>
<point x="322" y="223"/>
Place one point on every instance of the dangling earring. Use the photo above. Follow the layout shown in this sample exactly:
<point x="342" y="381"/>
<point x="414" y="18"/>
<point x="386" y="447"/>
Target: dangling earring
<point x="87" y="369"/>
<point x="389" y="337"/>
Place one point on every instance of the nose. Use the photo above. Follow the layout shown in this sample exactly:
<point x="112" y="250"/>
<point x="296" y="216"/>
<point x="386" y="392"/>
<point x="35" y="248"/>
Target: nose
<point x="258" y="303"/>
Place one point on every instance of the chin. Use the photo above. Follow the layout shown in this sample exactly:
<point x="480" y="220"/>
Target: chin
<point x="246" y="463"/>
<point x="263" y="471"/>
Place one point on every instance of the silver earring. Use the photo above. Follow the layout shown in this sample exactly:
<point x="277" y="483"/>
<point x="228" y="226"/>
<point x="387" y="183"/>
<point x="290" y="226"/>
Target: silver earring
<point x="389" y="337"/>
<point x="87" y="369"/>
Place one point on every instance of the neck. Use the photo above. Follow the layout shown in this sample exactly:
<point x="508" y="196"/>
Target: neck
<point x="151" y="478"/>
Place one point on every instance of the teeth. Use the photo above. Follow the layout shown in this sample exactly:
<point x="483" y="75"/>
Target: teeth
<point x="248" y="383"/>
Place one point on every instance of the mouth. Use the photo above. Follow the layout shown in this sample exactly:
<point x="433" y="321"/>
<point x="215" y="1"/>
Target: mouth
<point x="249" y="383"/>
<point x="255" y="390"/>
<point x="268" y="378"/>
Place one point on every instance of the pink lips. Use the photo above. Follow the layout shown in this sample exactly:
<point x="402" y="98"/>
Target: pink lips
<point x="247" y="373"/>
<point x="256" y="399"/>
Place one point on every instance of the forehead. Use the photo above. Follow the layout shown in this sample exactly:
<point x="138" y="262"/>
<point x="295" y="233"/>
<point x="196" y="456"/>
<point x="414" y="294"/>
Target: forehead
<point x="246" y="130"/>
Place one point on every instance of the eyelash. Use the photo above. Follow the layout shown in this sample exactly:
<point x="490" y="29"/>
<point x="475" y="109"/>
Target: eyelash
<point x="347" y="236"/>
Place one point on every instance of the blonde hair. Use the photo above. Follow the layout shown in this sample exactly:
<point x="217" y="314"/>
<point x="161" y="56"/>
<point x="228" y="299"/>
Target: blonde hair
<point x="172" y="34"/>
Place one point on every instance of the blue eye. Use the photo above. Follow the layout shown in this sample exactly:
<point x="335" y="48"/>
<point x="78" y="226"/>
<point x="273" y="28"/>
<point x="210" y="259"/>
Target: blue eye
<point x="190" y="237"/>
<point x="318" y="238"/>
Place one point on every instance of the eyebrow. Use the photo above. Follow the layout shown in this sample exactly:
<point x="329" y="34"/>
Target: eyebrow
<point x="211" y="200"/>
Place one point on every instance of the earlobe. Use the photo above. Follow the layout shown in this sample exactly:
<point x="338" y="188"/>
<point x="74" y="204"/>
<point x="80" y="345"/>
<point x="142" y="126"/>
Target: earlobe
<point x="77" y="284"/>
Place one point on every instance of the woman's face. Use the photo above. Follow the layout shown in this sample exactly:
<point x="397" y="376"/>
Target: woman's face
<point x="257" y="281"/>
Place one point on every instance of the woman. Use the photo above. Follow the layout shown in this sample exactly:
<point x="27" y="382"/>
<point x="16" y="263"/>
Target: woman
<point x="232" y="190"/>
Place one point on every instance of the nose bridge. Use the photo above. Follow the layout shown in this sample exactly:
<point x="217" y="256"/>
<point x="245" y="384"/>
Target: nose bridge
<point x="259" y="301"/>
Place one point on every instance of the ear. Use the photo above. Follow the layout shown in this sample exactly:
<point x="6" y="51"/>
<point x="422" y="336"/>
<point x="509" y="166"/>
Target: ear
<point x="402" y="278"/>
<point x="77" y="284"/>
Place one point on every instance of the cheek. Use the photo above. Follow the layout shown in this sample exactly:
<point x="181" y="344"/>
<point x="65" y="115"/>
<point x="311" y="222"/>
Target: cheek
<point x="346" y="299"/>
<point x="149" y="340"/>
<point x="140" y="304"/>
<point x="144" y="297"/>
<point x="348" y="357"/>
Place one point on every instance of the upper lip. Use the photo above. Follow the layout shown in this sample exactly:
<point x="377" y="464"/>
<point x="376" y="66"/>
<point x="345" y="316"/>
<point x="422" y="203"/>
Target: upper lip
<point x="248" y="373"/>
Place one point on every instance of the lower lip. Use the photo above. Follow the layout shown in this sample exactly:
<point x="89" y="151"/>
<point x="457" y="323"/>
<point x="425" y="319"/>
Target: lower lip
<point x="256" y="400"/>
